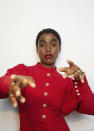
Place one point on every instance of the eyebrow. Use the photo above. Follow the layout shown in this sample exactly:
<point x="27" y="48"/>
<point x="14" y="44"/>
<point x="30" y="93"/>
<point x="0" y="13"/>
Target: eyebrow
<point x="51" y="40"/>
<point x="41" y="40"/>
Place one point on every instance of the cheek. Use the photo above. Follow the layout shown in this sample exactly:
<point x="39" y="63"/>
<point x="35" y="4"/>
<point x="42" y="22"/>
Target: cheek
<point x="40" y="52"/>
<point x="56" y="52"/>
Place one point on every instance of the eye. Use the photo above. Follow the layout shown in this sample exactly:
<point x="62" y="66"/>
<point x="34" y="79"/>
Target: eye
<point x="54" y="44"/>
<point x="42" y="44"/>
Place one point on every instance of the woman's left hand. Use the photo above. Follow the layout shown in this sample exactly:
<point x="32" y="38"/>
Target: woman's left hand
<point x="73" y="71"/>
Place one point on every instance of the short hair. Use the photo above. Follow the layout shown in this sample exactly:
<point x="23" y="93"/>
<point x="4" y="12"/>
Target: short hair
<point x="48" y="30"/>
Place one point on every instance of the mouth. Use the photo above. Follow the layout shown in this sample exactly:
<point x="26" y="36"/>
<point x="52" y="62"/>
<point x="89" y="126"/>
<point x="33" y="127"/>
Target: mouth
<point x="48" y="56"/>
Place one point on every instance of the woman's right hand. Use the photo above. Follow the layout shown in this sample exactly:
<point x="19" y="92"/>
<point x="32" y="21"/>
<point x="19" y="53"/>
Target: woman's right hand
<point x="18" y="82"/>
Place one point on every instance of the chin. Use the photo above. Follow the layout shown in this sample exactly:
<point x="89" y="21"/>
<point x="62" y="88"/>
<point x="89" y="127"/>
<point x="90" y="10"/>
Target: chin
<point x="49" y="62"/>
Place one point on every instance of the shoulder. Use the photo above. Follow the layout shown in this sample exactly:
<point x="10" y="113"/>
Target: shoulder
<point x="20" y="69"/>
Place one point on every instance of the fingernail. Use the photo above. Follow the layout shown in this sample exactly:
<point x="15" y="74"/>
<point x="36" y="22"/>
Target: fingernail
<point x="22" y="100"/>
<point x="64" y="76"/>
<point x="82" y="81"/>
<point x="33" y="85"/>
<point x="71" y="76"/>
<point x="68" y="60"/>
<point x="59" y="68"/>
<point x="12" y="76"/>
<point x="15" y="105"/>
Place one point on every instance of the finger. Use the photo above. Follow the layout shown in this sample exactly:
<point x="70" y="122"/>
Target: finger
<point x="64" y="69"/>
<point x="68" y="70"/>
<point x="82" y="77"/>
<point x="29" y="81"/>
<point x="71" y="76"/>
<point x="13" y="100"/>
<point x="21" y="99"/>
<point x="73" y="69"/>
<point x="71" y="63"/>
<point x="15" y="89"/>
<point x="65" y="75"/>
<point x="78" y="75"/>
<point x="23" y="80"/>
<point x="13" y="76"/>
<point x="16" y="77"/>
<point x="17" y="94"/>
<point x="32" y="84"/>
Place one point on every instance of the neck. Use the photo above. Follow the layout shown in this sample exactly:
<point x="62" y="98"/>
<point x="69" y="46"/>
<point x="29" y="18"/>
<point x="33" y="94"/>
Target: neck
<point x="48" y="65"/>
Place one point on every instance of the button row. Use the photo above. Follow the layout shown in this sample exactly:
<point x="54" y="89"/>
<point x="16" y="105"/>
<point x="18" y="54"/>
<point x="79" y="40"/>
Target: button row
<point x="77" y="91"/>
<point x="44" y="116"/>
<point x="46" y="94"/>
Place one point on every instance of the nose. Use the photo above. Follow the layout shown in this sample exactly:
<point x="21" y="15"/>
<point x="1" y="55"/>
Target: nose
<point x="48" y="48"/>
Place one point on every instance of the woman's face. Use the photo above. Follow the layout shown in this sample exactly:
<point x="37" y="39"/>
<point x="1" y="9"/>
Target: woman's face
<point x="48" y="49"/>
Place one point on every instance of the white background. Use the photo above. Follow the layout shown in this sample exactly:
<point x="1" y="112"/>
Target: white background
<point x="21" y="20"/>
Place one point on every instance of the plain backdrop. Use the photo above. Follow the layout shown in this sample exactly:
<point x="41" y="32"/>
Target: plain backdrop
<point x="21" y="20"/>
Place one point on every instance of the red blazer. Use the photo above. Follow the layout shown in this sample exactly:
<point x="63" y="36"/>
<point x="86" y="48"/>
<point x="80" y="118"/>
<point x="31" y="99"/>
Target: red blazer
<point x="52" y="99"/>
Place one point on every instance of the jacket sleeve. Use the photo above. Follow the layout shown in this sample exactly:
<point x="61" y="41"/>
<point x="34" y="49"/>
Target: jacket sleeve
<point x="5" y="80"/>
<point x="78" y="97"/>
<point x="86" y="104"/>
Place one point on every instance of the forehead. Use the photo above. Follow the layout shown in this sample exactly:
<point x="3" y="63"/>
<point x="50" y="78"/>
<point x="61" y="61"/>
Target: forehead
<point x="47" y="36"/>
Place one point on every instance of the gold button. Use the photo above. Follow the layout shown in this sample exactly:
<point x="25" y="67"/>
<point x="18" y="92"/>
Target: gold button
<point x="44" y="105"/>
<point x="45" y="93"/>
<point x="48" y="74"/>
<point x="47" y="84"/>
<point x="75" y="86"/>
<point x="78" y="94"/>
<point x="43" y="116"/>
<point x="77" y="90"/>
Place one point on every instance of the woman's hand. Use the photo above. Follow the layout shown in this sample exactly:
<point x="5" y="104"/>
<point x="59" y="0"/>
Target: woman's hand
<point x="73" y="71"/>
<point x="18" y="82"/>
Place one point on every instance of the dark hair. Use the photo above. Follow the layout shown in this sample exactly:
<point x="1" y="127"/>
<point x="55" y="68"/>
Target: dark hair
<point x="48" y="30"/>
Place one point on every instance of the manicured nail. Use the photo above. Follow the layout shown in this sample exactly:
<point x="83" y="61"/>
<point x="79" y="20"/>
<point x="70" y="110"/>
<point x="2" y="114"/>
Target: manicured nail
<point x="59" y="68"/>
<point x="64" y="76"/>
<point x="32" y="85"/>
<point x="13" y="76"/>
<point x="15" y="105"/>
<point x="68" y="60"/>
<point x="23" y="100"/>
<point x="82" y="81"/>
<point x="71" y="76"/>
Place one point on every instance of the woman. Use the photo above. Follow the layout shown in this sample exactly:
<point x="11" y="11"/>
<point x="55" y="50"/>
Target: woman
<point x="47" y="96"/>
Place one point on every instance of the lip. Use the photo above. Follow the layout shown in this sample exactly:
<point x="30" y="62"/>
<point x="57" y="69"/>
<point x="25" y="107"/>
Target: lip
<point x="48" y="56"/>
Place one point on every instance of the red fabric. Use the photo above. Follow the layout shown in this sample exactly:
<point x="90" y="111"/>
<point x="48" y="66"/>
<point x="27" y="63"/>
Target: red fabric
<point x="61" y="100"/>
